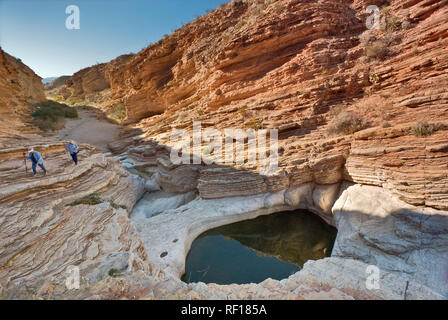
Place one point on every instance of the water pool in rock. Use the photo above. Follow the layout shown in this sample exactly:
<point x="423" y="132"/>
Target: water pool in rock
<point x="273" y="246"/>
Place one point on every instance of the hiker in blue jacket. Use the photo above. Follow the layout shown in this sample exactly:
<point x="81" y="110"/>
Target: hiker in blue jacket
<point x="73" y="149"/>
<point x="36" y="159"/>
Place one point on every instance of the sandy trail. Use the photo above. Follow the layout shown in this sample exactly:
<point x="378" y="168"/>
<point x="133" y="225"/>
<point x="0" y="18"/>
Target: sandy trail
<point x="91" y="130"/>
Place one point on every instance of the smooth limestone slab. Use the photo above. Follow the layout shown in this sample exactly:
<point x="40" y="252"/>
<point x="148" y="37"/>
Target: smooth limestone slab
<point x="374" y="228"/>
<point x="168" y="236"/>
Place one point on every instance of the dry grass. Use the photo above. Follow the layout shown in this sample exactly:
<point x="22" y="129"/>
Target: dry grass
<point x="377" y="50"/>
<point x="347" y="122"/>
<point x="49" y="115"/>
<point x="118" y="113"/>
<point x="255" y="124"/>
<point x="114" y="273"/>
<point x="91" y="199"/>
<point x="378" y="42"/>
<point x="424" y="129"/>
<point x="242" y="112"/>
<point x="94" y="199"/>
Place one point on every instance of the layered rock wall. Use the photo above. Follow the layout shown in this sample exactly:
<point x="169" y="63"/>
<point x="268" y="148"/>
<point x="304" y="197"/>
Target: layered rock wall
<point x="19" y="86"/>
<point x="291" y="65"/>
<point x="45" y="232"/>
<point x="89" y="86"/>
<point x="297" y="67"/>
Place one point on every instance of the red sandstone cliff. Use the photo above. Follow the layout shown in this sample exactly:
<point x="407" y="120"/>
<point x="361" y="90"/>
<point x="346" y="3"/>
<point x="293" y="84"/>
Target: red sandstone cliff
<point x="19" y="85"/>
<point x="88" y="86"/>
<point x="298" y="66"/>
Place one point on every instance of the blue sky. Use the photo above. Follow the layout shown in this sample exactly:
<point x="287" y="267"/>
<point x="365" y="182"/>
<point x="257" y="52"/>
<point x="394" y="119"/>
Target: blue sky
<point x="35" y="32"/>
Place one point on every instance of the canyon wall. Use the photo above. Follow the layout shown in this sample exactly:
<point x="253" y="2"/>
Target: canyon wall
<point x="367" y="107"/>
<point x="301" y="67"/>
<point x="19" y="86"/>
<point x="89" y="86"/>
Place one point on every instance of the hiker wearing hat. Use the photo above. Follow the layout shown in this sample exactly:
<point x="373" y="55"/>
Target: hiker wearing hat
<point x="73" y="149"/>
<point x="36" y="159"/>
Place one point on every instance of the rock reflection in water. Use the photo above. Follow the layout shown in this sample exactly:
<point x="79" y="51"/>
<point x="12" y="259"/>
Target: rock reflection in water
<point x="273" y="246"/>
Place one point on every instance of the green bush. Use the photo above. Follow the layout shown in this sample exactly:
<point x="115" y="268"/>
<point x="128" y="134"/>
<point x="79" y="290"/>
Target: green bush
<point x="118" y="113"/>
<point x="94" y="199"/>
<point x="116" y="206"/>
<point x="114" y="273"/>
<point x="48" y="114"/>
<point x="91" y="199"/>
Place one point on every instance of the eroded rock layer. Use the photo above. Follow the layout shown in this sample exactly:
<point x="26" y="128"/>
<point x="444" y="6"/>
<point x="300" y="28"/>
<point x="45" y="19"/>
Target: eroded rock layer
<point x="89" y="86"/>
<point x="299" y="66"/>
<point x="45" y="232"/>
<point x="19" y="85"/>
<point x="351" y="105"/>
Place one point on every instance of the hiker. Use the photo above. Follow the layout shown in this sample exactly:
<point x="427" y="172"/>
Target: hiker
<point x="73" y="149"/>
<point x="36" y="159"/>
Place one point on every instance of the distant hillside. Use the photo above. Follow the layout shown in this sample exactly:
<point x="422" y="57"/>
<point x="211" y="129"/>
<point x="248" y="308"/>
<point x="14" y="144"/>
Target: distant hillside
<point x="48" y="80"/>
<point x="88" y="86"/>
<point x="56" y="82"/>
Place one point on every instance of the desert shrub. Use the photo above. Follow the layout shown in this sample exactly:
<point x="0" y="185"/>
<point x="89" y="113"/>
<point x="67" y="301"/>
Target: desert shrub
<point x="365" y="37"/>
<point x="388" y="21"/>
<point x="377" y="50"/>
<point x="255" y="124"/>
<point x="242" y="112"/>
<point x="94" y="199"/>
<point x="393" y="22"/>
<point x="91" y="199"/>
<point x="336" y="110"/>
<point x="406" y="24"/>
<point x="116" y="206"/>
<point x="377" y="43"/>
<point x="424" y="129"/>
<point x="118" y="113"/>
<point x="346" y="122"/>
<point x="389" y="39"/>
<point x="48" y="115"/>
<point x="373" y="78"/>
<point x="114" y="273"/>
<point x="200" y="112"/>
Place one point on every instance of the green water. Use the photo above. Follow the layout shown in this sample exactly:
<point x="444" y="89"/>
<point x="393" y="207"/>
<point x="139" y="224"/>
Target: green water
<point x="273" y="246"/>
